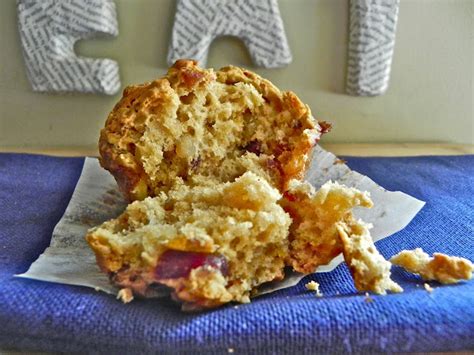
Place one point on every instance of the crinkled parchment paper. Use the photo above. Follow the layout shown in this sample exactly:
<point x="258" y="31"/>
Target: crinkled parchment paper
<point x="69" y="260"/>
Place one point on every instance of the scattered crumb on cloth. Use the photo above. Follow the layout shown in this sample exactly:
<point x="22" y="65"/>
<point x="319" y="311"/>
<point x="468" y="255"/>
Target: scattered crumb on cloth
<point x="369" y="269"/>
<point x="367" y="298"/>
<point x="428" y="288"/>
<point x="441" y="267"/>
<point x="314" y="286"/>
<point x="125" y="295"/>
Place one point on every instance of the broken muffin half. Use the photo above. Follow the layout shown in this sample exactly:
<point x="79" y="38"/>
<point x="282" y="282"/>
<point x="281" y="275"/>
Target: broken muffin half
<point x="199" y="126"/>
<point x="211" y="245"/>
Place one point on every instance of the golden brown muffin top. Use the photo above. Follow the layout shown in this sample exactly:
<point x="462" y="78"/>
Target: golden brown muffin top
<point x="201" y="126"/>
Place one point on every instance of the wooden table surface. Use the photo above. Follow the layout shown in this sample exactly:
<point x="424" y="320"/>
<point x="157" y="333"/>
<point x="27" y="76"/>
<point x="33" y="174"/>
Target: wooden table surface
<point x="351" y="149"/>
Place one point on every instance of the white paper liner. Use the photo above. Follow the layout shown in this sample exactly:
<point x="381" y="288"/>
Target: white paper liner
<point x="69" y="260"/>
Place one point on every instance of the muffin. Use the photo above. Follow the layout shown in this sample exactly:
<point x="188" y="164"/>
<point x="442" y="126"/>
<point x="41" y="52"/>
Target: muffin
<point x="214" y="163"/>
<point x="199" y="126"/>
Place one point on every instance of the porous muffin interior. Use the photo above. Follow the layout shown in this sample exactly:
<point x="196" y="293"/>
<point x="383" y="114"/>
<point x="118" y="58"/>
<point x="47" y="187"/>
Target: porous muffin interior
<point x="369" y="269"/>
<point x="313" y="238"/>
<point x="240" y="222"/>
<point x="443" y="268"/>
<point x="199" y="126"/>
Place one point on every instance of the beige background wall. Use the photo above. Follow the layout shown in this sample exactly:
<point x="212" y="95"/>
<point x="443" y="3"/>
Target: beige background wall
<point x="430" y="98"/>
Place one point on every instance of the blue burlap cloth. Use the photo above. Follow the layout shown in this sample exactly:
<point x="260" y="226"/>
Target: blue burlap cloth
<point x="34" y="191"/>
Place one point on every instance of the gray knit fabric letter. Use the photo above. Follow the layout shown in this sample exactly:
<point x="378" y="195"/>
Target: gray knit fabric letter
<point x="257" y="23"/>
<point x="371" y="42"/>
<point x="48" y="31"/>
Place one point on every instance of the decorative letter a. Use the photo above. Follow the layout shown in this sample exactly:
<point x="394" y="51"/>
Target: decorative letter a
<point x="257" y="23"/>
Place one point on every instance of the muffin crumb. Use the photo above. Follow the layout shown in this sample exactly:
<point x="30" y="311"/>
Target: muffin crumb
<point x="367" y="298"/>
<point x="125" y="295"/>
<point x="428" y="287"/>
<point x="440" y="267"/>
<point x="370" y="270"/>
<point x="314" y="239"/>
<point x="314" y="286"/>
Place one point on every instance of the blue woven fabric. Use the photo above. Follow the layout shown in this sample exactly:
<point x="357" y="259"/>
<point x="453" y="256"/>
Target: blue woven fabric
<point x="34" y="191"/>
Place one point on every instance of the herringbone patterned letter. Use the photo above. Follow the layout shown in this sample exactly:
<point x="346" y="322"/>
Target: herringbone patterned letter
<point x="48" y="31"/>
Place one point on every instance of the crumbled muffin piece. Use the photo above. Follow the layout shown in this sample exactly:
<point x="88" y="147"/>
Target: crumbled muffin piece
<point x="212" y="245"/>
<point x="125" y="295"/>
<point x="198" y="126"/>
<point x="428" y="287"/>
<point x="314" y="240"/>
<point x="367" y="298"/>
<point x="441" y="267"/>
<point x="370" y="271"/>
<point x="314" y="286"/>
